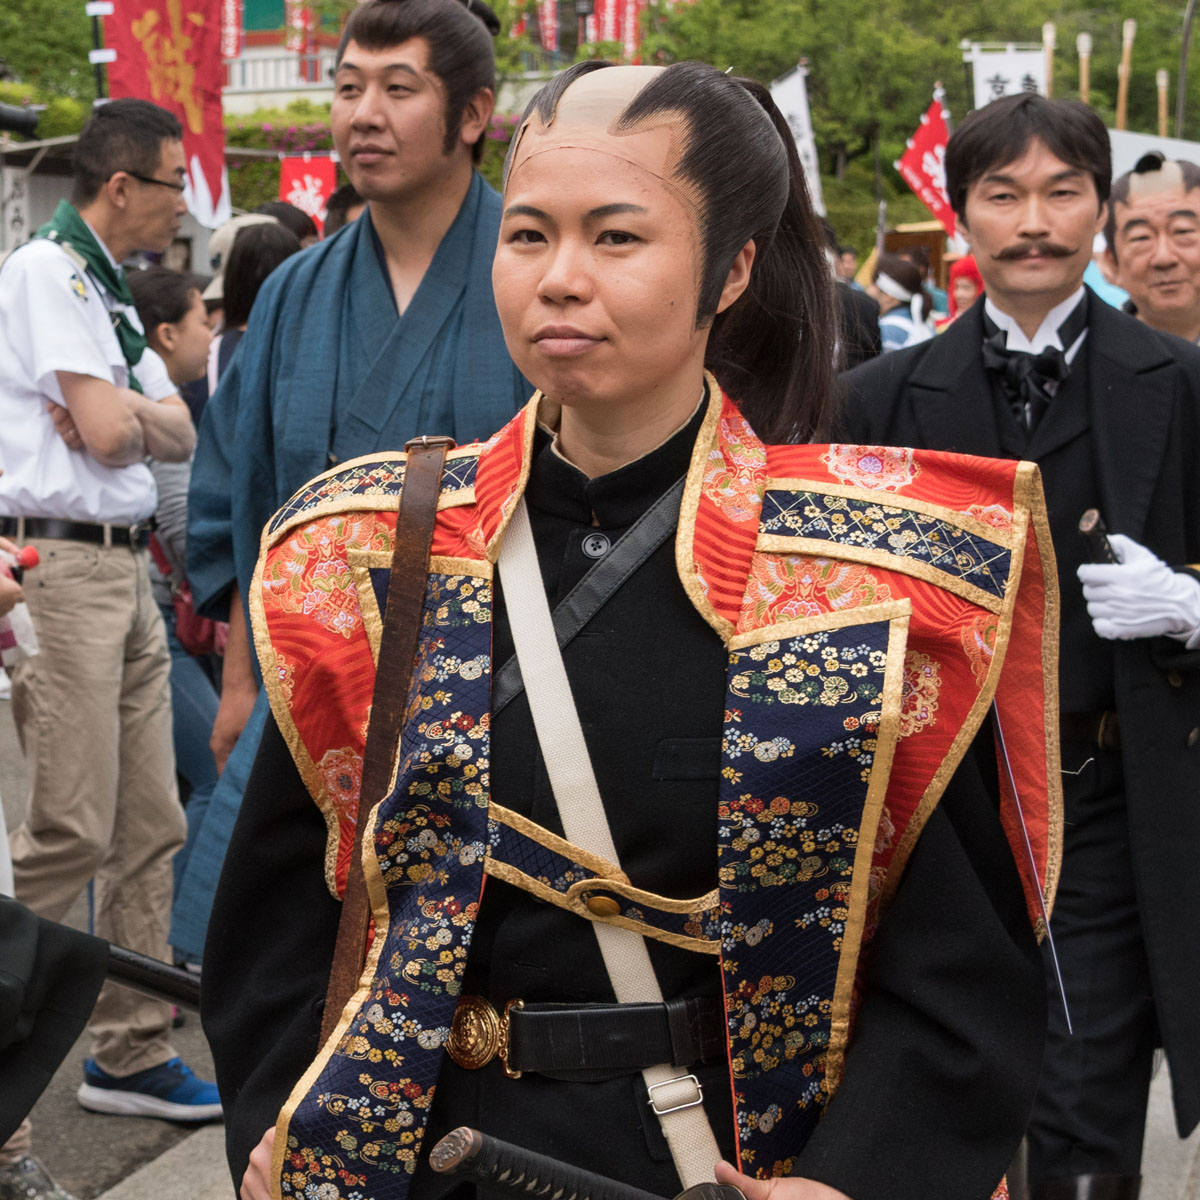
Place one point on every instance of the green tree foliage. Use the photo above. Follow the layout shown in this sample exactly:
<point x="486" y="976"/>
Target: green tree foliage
<point x="45" y="43"/>
<point x="873" y="65"/>
<point x="60" y="116"/>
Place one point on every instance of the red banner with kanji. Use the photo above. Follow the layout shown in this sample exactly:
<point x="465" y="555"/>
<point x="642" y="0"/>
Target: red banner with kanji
<point x="923" y="164"/>
<point x="308" y="183"/>
<point x="169" y="51"/>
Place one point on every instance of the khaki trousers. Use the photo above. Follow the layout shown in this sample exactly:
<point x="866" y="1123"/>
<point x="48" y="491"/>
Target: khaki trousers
<point x="93" y="712"/>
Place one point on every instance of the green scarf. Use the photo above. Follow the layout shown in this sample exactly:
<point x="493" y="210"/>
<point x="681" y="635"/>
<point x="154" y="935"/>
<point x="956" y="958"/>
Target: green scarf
<point x="70" y="230"/>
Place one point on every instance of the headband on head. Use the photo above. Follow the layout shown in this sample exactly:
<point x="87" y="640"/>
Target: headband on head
<point x="892" y="287"/>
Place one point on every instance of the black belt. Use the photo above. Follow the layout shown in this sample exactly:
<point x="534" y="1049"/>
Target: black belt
<point x="1097" y="730"/>
<point x="23" y="528"/>
<point x="587" y="1042"/>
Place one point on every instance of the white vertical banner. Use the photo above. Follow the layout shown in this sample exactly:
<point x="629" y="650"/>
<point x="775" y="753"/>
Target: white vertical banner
<point x="15" y="220"/>
<point x="1005" y="70"/>
<point x="790" y="93"/>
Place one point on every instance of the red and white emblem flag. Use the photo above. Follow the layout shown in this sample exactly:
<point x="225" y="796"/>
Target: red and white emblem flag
<point x="308" y="183"/>
<point x="923" y="164"/>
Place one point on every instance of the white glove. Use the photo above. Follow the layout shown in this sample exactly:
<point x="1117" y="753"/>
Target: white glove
<point x="1141" y="596"/>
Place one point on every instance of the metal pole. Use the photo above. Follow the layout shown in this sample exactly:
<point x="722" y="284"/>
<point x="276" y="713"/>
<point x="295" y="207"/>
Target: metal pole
<point x="1181" y="85"/>
<point x="97" y="40"/>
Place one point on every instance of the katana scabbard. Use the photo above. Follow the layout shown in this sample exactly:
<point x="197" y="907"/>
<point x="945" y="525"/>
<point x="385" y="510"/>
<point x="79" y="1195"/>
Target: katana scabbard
<point x="153" y="978"/>
<point x="486" y="1160"/>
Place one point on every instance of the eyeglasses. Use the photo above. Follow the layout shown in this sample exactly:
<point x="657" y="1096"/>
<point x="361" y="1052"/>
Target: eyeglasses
<point x="175" y="187"/>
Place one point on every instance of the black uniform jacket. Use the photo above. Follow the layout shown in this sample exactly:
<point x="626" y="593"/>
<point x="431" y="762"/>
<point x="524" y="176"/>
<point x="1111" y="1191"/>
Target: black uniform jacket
<point x="939" y="1079"/>
<point x="1138" y="430"/>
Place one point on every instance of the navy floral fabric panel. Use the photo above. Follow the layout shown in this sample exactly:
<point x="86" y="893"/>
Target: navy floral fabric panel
<point x="800" y="737"/>
<point x="357" y="1132"/>
<point x="889" y="528"/>
<point x="560" y="873"/>
<point x="380" y="479"/>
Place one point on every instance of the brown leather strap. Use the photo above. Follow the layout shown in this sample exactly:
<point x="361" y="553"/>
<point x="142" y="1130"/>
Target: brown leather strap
<point x="393" y="674"/>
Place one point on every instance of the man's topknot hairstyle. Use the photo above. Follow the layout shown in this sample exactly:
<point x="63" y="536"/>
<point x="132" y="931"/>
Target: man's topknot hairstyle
<point x="1001" y="132"/>
<point x="1146" y="165"/>
<point x="122" y="135"/>
<point x="461" y="53"/>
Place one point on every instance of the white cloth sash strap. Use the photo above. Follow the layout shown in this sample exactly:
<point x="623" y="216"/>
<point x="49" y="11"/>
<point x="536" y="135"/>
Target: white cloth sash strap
<point x="675" y="1098"/>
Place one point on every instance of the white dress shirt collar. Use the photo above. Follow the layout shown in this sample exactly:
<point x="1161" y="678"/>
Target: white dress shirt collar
<point x="1047" y="331"/>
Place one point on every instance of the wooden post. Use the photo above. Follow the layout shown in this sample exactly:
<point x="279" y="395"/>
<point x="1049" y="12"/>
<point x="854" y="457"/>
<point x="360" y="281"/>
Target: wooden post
<point x="1083" y="43"/>
<point x="1163" y="79"/>
<point x="1049" y="41"/>
<point x="1181" y="82"/>
<point x="1128" y="33"/>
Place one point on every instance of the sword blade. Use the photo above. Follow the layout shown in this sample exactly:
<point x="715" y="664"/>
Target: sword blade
<point x="1012" y="783"/>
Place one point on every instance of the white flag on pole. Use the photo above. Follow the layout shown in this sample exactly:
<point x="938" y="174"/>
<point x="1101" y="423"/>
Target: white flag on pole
<point x="1005" y="70"/>
<point x="790" y="93"/>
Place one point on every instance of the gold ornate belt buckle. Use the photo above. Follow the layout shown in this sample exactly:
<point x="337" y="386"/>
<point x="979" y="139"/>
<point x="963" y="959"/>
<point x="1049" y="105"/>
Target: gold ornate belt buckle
<point x="478" y="1034"/>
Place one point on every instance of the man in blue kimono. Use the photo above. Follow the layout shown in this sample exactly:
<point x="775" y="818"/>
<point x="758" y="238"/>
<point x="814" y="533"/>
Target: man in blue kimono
<point x="386" y="331"/>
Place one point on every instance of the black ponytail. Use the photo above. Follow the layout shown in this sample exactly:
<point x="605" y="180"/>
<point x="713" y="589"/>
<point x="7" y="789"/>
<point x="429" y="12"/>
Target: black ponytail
<point x="775" y="346"/>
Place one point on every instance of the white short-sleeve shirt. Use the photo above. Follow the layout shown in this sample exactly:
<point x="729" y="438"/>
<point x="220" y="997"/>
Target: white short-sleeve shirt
<point x="55" y="317"/>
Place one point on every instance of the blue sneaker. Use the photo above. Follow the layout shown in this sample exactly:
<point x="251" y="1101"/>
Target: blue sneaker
<point x="170" y="1091"/>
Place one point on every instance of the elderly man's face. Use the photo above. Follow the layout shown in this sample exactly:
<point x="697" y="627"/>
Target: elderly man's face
<point x="1157" y="258"/>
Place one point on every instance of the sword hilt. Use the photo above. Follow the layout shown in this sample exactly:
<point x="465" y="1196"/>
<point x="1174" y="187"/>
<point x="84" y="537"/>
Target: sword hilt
<point x="487" y="1160"/>
<point x="1095" y="533"/>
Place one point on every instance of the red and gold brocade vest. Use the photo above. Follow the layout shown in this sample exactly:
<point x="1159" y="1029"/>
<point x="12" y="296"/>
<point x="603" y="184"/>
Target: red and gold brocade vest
<point x="875" y="603"/>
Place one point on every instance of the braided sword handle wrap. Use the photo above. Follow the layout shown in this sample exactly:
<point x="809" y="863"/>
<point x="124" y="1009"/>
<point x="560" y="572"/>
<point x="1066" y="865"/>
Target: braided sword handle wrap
<point x="487" y="1160"/>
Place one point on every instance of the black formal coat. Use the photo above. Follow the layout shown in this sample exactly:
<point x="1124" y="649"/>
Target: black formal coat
<point x="1142" y="422"/>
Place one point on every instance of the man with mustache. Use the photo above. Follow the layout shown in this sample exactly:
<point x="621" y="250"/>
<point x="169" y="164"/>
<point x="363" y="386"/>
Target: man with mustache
<point x="1110" y="410"/>
<point x="1153" y="236"/>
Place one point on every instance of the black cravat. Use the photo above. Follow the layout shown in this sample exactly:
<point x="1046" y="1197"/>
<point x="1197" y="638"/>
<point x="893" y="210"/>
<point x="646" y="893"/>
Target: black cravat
<point x="1025" y="376"/>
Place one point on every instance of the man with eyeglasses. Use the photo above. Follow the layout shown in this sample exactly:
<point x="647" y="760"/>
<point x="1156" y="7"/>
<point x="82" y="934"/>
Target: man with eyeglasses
<point x="83" y="404"/>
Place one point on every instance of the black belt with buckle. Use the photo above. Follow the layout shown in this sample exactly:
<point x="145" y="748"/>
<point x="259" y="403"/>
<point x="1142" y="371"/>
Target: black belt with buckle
<point x="586" y="1042"/>
<point x="51" y="528"/>
<point x="1096" y="730"/>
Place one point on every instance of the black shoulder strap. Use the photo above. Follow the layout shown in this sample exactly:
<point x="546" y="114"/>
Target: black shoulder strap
<point x="595" y="589"/>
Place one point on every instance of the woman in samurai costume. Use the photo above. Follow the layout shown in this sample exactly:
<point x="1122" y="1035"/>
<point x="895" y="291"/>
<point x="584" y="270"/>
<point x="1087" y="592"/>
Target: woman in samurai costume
<point x="765" y="849"/>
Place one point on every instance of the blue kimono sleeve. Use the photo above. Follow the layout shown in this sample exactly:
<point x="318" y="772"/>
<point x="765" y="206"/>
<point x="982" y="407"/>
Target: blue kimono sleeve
<point x="210" y="562"/>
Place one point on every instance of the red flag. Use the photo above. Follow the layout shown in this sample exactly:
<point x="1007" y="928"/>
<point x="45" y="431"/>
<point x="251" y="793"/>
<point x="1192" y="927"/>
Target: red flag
<point x="923" y="164"/>
<point x="548" y="24"/>
<point x="169" y="51"/>
<point x="308" y="183"/>
<point x="631" y="28"/>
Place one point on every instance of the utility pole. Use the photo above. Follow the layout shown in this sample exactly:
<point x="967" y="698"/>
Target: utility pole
<point x="98" y="55"/>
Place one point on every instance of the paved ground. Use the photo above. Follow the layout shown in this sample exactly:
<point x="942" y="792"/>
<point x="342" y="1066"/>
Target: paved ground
<point x="117" y="1158"/>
